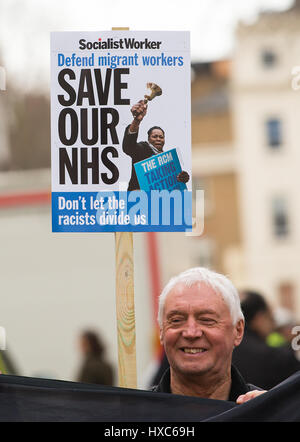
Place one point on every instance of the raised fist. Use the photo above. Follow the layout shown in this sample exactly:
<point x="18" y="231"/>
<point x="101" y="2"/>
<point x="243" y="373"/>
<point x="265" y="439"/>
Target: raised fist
<point x="139" y="110"/>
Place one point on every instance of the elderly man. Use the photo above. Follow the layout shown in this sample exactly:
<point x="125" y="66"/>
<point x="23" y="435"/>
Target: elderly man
<point x="201" y="322"/>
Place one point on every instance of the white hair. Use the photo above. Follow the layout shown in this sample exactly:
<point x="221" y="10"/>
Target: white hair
<point x="219" y="283"/>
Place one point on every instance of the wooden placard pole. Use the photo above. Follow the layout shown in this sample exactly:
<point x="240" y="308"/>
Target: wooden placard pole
<point x="125" y="311"/>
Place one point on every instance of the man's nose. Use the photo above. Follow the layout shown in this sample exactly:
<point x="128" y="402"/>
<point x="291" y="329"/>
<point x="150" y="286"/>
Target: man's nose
<point x="192" y="329"/>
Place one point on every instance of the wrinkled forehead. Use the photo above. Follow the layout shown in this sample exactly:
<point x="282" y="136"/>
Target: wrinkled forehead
<point x="195" y="296"/>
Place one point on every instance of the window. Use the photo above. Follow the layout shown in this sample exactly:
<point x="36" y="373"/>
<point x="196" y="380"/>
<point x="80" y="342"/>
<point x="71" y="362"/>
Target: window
<point x="268" y="58"/>
<point x="280" y="219"/>
<point x="274" y="133"/>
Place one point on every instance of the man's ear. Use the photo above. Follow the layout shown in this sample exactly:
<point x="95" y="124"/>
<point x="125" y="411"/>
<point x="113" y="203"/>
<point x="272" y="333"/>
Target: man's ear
<point x="239" y="332"/>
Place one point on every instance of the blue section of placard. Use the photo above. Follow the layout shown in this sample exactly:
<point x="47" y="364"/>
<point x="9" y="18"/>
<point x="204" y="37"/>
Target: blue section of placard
<point x="159" y="172"/>
<point x="136" y="211"/>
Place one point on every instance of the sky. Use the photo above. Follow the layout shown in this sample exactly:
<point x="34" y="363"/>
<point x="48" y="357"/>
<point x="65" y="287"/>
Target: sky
<point x="25" y="27"/>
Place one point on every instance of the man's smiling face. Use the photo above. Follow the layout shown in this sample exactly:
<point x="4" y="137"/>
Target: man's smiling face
<point x="198" y="332"/>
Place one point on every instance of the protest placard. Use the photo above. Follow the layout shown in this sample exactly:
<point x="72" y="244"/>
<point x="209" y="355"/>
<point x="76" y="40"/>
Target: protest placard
<point x="96" y="80"/>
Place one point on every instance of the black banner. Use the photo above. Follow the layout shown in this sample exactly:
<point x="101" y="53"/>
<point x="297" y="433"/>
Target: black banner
<point x="25" y="399"/>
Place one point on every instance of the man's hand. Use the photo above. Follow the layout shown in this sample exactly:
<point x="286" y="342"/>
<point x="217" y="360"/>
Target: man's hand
<point x="250" y="395"/>
<point x="183" y="177"/>
<point x="139" y="110"/>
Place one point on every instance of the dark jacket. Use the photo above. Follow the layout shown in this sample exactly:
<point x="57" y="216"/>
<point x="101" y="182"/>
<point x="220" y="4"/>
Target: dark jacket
<point x="238" y="385"/>
<point x="261" y="364"/>
<point x="138" y="151"/>
<point x="95" y="370"/>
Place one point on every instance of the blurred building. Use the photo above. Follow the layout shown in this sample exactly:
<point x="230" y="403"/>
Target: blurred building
<point x="266" y="111"/>
<point x="214" y="168"/>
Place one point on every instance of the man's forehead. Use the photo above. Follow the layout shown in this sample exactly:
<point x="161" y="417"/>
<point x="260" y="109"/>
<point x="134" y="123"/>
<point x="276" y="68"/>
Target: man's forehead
<point x="198" y="293"/>
<point x="157" y="131"/>
<point x="200" y="287"/>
